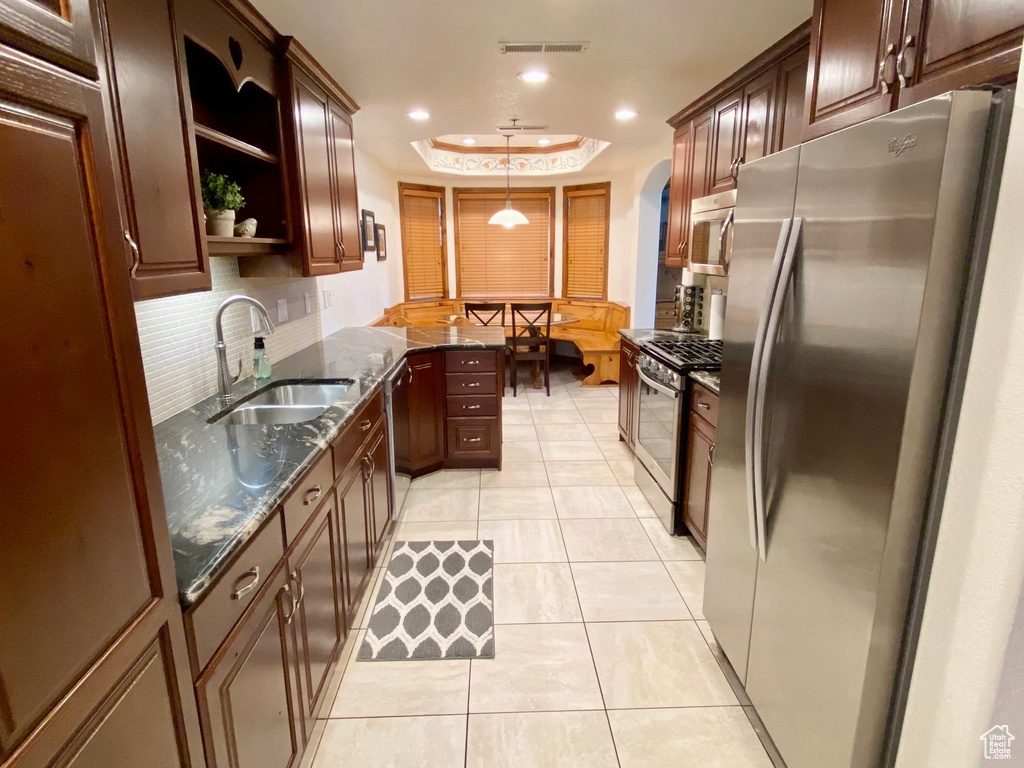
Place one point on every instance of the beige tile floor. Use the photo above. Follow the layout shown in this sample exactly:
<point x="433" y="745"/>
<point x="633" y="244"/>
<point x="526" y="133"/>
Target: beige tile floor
<point x="603" y="658"/>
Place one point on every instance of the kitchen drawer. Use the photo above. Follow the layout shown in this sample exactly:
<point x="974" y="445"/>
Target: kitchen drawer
<point x="212" y="619"/>
<point x="471" y="383"/>
<point x="347" y="443"/>
<point x="474" y="438"/>
<point x="472" y="405"/>
<point x="309" y="493"/>
<point x="704" y="403"/>
<point x="471" y="361"/>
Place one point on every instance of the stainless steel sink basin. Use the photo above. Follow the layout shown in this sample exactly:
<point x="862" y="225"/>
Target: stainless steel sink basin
<point x="286" y="403"/>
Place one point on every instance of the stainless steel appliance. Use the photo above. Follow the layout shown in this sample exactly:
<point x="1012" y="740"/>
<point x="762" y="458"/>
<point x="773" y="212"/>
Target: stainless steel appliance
<point x="710" y="240"/>
<point x="662" y="368"/>
<point x="845" y="297"/>
<point x="394" y="388"/>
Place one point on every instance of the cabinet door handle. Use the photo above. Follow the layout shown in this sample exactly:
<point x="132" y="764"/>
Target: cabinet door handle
<point x="901" y="70"/>
<point x="474" y="439"/>
<point x="890" y="51"/>
<point x="338" y="252"/>
<point x="291" y="599"/>
<point x="136" y="257"/>
<point x="365" y="425"/>
<point x="297" y="578"/>
<point x="711" y="454"/>
<point x="254" y="575"/>
<point x="312" y="495"/>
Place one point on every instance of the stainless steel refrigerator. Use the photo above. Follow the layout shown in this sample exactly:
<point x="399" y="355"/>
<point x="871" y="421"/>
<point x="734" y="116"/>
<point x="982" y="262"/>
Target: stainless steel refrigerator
<point x="846" y="296"/>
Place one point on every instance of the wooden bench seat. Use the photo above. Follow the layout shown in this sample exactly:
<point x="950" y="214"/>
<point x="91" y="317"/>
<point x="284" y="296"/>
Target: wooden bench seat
<point x="595" y="336"/>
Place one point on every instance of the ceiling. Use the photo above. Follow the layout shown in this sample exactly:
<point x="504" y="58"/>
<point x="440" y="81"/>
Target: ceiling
<point x="654" y="56"/>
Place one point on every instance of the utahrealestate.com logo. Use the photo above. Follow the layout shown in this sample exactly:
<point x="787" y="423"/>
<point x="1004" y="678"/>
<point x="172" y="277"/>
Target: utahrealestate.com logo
<point x="997" y="742"/>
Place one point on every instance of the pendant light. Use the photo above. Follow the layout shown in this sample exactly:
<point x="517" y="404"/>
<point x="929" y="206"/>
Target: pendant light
<point x="508" y="216"/>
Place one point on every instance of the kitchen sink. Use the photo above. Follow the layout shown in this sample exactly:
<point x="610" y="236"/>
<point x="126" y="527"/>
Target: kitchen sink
<point x="286" y="403"/>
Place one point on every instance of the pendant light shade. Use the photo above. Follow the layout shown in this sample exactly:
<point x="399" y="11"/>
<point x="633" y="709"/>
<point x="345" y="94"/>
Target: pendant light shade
<point x="508" y="217"/>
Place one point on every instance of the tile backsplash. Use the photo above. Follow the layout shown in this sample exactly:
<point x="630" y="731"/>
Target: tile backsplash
<point x="177" y="334"/>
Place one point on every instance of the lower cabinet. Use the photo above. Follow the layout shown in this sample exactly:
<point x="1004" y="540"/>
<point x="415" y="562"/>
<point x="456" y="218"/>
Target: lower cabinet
<point x="474" y="383"/>
<point x="351" y="495"/>
<point x="700" y="458"/>
<point x="377" y="483"/>
<point x="315" y="576"/>
<point x="629" y="385"/>
<point x="419" y="416"/>
<point x="248" y="695"/>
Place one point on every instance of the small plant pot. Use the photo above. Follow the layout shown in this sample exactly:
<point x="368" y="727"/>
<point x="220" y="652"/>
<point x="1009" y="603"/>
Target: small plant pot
<point x="220" y="223"/>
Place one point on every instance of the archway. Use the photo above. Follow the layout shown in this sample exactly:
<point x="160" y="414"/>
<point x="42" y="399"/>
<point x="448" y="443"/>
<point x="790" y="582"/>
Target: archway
<point x="648" y="230"/>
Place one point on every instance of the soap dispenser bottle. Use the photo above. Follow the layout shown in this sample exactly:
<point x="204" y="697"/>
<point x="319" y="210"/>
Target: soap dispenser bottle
<point x="260" y="361"/>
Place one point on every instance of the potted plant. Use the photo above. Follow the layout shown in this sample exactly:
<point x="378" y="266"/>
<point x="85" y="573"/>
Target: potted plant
<point x="221" y="198"/>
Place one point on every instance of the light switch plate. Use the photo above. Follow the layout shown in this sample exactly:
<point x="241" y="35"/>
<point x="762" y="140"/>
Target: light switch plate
<point x="327" y="298"/>
<point x="308" y="301"/>
<point x="282" y="311"/>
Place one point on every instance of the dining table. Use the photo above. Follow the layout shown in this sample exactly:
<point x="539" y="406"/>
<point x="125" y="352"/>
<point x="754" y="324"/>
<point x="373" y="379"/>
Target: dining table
<point x="557" y="319"/>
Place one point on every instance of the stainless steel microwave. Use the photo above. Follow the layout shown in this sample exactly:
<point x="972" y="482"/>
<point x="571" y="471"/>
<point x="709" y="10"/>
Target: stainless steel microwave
<point x="711" y="221"/>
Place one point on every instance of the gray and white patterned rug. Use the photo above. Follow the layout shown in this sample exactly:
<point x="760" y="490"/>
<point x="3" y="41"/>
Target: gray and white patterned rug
<point x="436" y="601"/>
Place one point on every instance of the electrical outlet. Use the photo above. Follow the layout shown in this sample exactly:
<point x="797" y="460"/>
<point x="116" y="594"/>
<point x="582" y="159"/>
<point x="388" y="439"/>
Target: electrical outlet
<point x="327" y="298"/>
<point x="282" y="311"/>
<point x="309" y="302"/>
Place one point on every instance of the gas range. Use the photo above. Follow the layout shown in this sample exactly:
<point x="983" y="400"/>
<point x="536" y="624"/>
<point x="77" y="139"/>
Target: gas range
<point x="682" y="353"/>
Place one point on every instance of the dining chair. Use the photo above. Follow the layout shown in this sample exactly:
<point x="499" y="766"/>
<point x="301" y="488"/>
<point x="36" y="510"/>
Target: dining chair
<point x="531" y="340"/>
<point x="489" y="313"/>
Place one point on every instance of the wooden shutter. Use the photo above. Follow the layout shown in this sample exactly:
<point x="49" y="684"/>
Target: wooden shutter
<point x="424" y="257"/>
<point x="585" y="241"/>
<point x="495" y="262"/>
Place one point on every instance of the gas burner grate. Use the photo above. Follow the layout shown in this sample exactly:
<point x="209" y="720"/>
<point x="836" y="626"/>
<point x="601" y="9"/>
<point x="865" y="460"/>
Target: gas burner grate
<point x="687" y="354"/>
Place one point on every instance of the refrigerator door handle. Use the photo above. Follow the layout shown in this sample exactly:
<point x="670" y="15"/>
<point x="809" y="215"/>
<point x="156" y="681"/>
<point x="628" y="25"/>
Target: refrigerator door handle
<point x="753" y="512"/>
<point x="771" y="334"/>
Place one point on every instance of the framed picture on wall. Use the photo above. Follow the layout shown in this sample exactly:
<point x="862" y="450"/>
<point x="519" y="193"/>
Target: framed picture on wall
<point x="369" y="232"/>
<point x="382" y="243"/>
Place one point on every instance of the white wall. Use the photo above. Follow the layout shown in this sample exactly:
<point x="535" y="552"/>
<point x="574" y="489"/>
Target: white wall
<point x="359" y="298"/>
<point x="969" y="671"/>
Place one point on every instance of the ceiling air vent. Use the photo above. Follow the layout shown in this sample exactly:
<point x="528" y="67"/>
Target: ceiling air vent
<point x="581" y="47"/>
<point x="520" y="128"/>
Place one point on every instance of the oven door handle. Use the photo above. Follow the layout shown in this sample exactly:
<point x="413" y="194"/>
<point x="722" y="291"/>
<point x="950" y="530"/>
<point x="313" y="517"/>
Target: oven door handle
<point x="657" y="385"/>
<point x="751" y="449"/>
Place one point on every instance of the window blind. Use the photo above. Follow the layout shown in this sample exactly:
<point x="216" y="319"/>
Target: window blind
<point x="494" y="262"/>
<point x="585" y="241"/>
<point x="424" y="260"/>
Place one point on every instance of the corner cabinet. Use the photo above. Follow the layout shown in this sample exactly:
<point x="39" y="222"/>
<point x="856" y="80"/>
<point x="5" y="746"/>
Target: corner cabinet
<point x="869" y="57"/>
<point x="319" y="138"/>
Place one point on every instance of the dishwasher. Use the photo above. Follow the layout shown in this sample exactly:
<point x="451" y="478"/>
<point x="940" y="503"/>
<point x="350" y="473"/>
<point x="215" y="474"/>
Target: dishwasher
<point x="396" y="399"/>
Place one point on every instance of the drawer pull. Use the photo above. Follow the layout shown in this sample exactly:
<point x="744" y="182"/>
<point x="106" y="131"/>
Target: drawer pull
<point x="705" y="406"/>
<point x="474" y="439"/>
<point x="471" y="362"/>
<point x="312" y="495"/>
<point x="252" y="573"/>
<point x="365" y="425"/>
<point x="471" y="407"/>
<point x="472" y="384"/>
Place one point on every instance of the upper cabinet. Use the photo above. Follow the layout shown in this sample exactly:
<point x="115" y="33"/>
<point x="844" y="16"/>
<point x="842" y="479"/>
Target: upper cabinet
<point x="318" y="127"/>
<point x="159" y="170"/>
<point x="871" y="56"/>
<point x="60" y="31"/>
<point x="751" y="114"/>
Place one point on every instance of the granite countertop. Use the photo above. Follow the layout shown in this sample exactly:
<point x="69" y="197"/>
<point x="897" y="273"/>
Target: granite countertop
<point x="221" y="482"/>
<point x="710" y="379"/>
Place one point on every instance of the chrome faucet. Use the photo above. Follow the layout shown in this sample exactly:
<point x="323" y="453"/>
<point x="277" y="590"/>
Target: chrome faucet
<point x="223" y="369"/>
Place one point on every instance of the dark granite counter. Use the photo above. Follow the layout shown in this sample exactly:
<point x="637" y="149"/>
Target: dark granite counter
<point x="221" y="482"/>
<point x="640" y="335"/>
<point x="710" y="379"/>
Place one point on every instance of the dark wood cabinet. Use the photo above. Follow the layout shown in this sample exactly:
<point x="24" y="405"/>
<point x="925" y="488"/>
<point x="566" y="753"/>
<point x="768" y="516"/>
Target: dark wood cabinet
<point x="727" y="141"/>
<point x="629" y="388"/>
<point x="949" y="43"/>
<point x="91" y="627"/>
<point x="789" y="111"/>
<point x="870" y="56"/>
<point x="473" y="384"/>
<point x="249" y="696"/>
<point x="378" y="483"/>
<point x="701" y="171"/>
<point x="316" y="579"/>
<point x="758" y="120"/>
<point x="158" y="165"/>
<point x="60" y="31"/>
<point x="419" y="446"/>
<point x="700" y="446"/>
<point x="351" y="500"/>
<point x="319" y="138"/>
<point x="679" y="197"/>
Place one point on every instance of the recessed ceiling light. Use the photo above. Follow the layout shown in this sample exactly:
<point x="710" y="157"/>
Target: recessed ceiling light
<point x="625" y="114"/>
<point x="469" y="141"/>
<point x="543" y="142"/>
<point x="419" y="114"/>
<point x="534" y="76"/>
